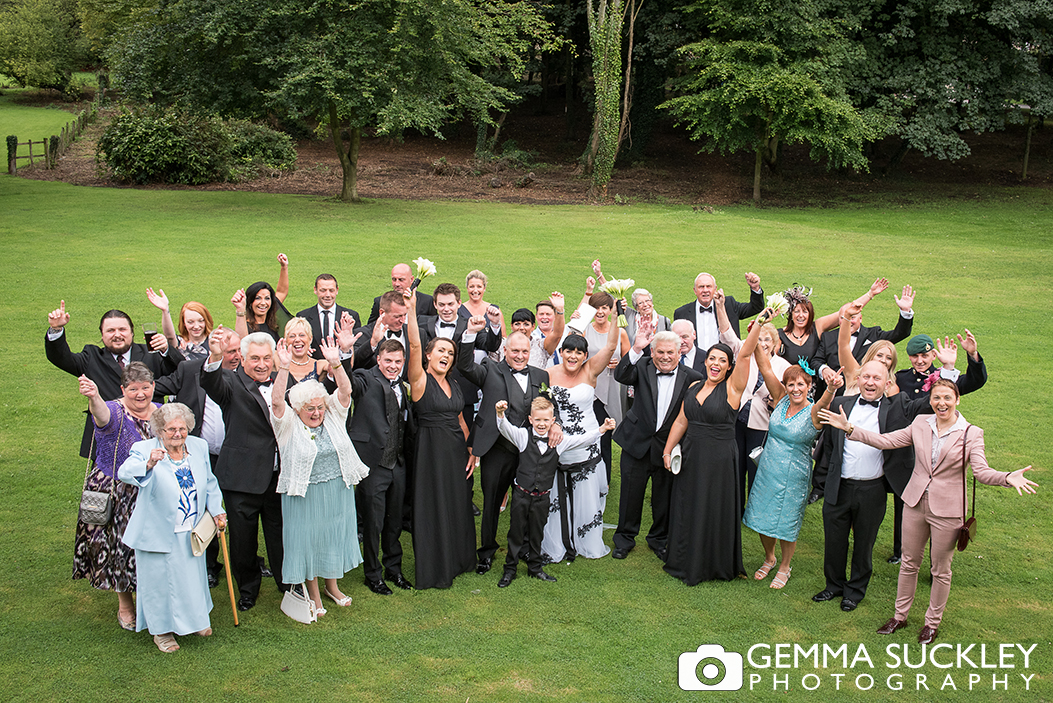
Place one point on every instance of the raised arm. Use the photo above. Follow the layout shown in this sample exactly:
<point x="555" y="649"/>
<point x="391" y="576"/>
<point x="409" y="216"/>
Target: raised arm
<point x="726" y="334"/>
<point x="590" y="286"/>
<point x="331" y="353"/>
<point x="824" y="401"/>
<point x="775" y="387"/>
<point x="241" y="327"/>
<point x="849" y="365"/>
<point x="599" y="362"/>
<point x="160" y="301"/>
<point x="828" y="322"/>
<point x="414" y="369"/>
<point x="558" y="324"/>
<point x="282" y="289"/>
<point x="737" y="382"/>
<point x="100" y="413"/>
<point x="281" y="381"/>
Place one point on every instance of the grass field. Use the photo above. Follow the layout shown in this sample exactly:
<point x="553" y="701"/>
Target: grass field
<point x="32" y="122"/>
<point x="607" y="631"/>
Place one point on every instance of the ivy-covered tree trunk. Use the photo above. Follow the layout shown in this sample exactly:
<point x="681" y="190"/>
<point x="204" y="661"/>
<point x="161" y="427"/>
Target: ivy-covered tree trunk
<point x="348" y="158"/>
<point x="605" y="38"/>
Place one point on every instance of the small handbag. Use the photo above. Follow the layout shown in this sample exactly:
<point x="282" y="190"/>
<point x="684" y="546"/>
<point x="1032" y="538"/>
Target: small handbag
<point x="96" y="507"/>
<point x="967" y="532"/>
<point x="298" y="605"/>
<point x="202" y="534"/>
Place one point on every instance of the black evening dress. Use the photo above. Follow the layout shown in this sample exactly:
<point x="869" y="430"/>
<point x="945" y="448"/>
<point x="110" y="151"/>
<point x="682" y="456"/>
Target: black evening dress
<point x="793" y="352"/>
<point x="443" y="526"/>
<point x="705" y="534"/>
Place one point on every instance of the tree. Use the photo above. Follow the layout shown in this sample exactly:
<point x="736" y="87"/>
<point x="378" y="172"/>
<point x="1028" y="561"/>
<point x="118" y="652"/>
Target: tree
<point x="769" y="75"/>
<point x="40" y="42"/>
<point x="379" y="65"/>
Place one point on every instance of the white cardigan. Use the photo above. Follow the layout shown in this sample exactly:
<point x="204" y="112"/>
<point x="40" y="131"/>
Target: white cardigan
<point x="298" y="450"/>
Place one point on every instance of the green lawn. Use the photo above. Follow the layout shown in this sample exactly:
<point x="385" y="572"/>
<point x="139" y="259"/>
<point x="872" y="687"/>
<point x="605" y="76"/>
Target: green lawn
<point x="607" y="631"/>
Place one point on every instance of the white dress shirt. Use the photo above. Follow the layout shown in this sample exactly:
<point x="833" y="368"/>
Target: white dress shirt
<point x="861" y="461"/>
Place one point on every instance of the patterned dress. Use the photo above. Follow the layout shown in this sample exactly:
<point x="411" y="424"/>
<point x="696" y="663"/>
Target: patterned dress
<point x="99" y="555"/>
<point x="780" y="492"/>
<point x="579" y="495"/>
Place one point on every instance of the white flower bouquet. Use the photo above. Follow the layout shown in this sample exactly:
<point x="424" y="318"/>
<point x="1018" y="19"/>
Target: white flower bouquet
<point x="618" y="288"/>
<point x="425" y="268"/>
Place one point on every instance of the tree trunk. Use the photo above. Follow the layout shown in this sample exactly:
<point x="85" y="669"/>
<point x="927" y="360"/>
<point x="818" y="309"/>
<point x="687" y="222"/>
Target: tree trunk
<point x="349" y="158"/>
<point x="757" y="163"/>
<point x="627" y="98"/>
<point x="897" y="158"/>
<point x="1027" y="146"/>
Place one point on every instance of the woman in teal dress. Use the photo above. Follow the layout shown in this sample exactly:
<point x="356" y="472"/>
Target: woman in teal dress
<point x="320" y="468"/>
<point x="780" y="492"/>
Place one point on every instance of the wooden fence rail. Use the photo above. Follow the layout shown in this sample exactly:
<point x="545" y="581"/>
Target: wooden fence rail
<point x="53" y="148"/>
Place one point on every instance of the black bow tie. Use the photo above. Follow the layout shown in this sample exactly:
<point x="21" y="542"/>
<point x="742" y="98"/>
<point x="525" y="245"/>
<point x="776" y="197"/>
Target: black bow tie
<point x="264" y="384"/>
<point x="448" y="324"/>
<point x="667" y="373"/>
<point x="539" y="438"/>
<point x="875" y="403"/>
<point x="394" y="384"/>
<point x="521" y="372"/>
<point x="702" y="309"/>
<point x="392" y="334"/>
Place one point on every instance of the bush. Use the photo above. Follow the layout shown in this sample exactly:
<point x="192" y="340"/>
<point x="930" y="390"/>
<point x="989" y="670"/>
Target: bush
<point x="157" y="145"/>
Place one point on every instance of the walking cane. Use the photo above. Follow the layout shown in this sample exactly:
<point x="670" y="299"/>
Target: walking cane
<point x="226" y="567"/>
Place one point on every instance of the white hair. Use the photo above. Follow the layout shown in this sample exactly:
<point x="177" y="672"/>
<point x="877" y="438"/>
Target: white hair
<point x="305" y="391"/>
<point x="170" y="411"/>
<point x="665" y="337"/>
<point x="638" y="292"/>
<point x="256" y="338"/>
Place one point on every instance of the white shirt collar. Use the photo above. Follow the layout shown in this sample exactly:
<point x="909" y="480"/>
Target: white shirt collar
<point x="960" y="424"/>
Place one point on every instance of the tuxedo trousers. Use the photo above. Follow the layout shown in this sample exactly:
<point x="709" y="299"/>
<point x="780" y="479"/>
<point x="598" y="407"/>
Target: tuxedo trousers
<point x="526" y="529"/>
<point x="498" y="467"/>
<point x="245" y="513"/>
<point x="379" y="498"/>
<point x="634" y="476"/>
<point x="859" y="510"/>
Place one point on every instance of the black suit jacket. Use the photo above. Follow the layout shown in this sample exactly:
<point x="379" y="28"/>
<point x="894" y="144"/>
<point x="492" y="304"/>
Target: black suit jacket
<point x="736" y="310"/>
<point x="247" y="460"/>
<point x="98" y="364"/>
<point x="893" y="414"/>
<point x="185" y="385"/>
<point x="827" y="351"/>
<point x="312" y="316"/>
<point x="367" y="425"/>
<point x="425" y="306"/>
<point x="364" y="355"/>
<point x="973" y="379"/>
<point x="641" y="432"/>
<point x="498" y="383"/>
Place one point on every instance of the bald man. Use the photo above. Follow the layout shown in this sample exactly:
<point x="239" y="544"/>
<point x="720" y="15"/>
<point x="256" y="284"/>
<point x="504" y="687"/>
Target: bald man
<point x="401" y="279"/>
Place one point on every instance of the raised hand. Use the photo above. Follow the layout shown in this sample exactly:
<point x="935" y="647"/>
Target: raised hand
<point x="878" y="287"/>
<point x="753" y="280"/>
<point x="155" y="456"/>
<point x="590" y="285"/>
<point x="283" y="354"/>
<point x="493" y="313"/>
<point x="476" y="324"/>
<point x="158" y="299"/>
<point x="596" y="269"/>
<point x="217" y="341"/>
<point x="379" y="328"/>
<point x="946" y="351"/>
<point x="158" y="343"/>
<point x="557" y="301"/>
<point x="410" y="297"/>
<point x="344" y="334"/>
<point x="905" y="301"/>
<point x="283" y="260"/>
<point x="968" y="343"/>
<point x="718" y="297"/>
<point x="87" y="388"/>
<point x="238" y="300"/>
<point x="331" y="352"/>
<point x="501" y="407"/>
<point x="836" y="379"/>
<point x="58" y="317"/>
<point x="644" y="335"/>
<point x="828" y="375"/>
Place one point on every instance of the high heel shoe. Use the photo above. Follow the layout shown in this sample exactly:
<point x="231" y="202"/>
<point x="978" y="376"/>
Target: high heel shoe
<point x="126" y="624"/>
<point x="342" y="602"/>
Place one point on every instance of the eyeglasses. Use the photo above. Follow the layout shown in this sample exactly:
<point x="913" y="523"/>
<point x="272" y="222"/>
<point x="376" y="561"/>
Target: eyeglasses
<point x="173" y="431"/>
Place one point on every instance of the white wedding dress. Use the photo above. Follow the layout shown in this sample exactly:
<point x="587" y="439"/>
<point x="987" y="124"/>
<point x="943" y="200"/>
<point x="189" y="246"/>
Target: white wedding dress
<point x="578" y="497"/>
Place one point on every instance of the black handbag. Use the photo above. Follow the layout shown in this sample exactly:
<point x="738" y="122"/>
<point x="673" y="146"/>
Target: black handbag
<point x="967" y="532"/>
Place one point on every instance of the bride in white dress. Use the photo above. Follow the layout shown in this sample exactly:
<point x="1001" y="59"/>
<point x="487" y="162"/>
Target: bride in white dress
<point x="579" y="495"/>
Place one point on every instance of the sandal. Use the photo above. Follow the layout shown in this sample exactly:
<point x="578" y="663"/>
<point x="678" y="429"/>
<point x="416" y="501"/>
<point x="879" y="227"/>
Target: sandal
<point x="764" y="570"/>
<point x="166" y="643"/>
<point x="781" y="577"/>
<point x="204" y="633"/>
<point x="342" y="602"/>
<point x="126" y="624"/>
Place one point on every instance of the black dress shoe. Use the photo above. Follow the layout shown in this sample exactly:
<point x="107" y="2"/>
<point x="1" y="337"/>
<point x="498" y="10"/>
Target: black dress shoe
<point x="894" y="559"/>
<point x="619" y="553"/>
<point x="814" y="496"/>
<point x="824" y="595"/>
<point x="848" y="605"/>
<point x="661" y="554"/>
<point x="542" y="576"/>
<point x="213" y="580"/>
<point x="246" y="603"/>
<point x="475" y="511"/>
<point x="400" y="581"/>
<point x="484" y="565"/>
<point x="378" y="587"/>
<point x="506" y="579"/>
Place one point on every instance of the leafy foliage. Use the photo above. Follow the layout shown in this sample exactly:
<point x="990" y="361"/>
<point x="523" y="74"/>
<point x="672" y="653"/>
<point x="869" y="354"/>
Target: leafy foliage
<point x="40" y="42"/>
<point x="178" y="146"/>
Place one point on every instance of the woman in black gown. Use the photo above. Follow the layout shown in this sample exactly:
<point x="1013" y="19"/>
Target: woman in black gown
<point x="443" y="526"/>
<point x="705" y="534"/>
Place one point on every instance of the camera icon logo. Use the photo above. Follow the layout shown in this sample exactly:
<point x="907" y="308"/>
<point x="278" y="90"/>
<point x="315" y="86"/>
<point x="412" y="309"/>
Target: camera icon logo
<point x="710" y="668"/>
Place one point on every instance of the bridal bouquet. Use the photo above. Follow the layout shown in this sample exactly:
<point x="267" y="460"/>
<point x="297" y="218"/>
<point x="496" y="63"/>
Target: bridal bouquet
<point x="425" y="268"/>
<point x="778" y="303"/>
<point x="618" y="288"/>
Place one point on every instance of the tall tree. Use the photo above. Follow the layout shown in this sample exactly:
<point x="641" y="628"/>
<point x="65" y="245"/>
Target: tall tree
<point x="769" y="74"/>
<point x="380" y="65"/>
<point x="40" y="42"/>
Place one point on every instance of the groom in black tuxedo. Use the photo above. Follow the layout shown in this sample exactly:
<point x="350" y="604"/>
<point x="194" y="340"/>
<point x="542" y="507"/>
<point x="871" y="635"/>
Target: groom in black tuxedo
<point x="660" y="383"/>
<point x="326" y="314"/>
<point x="518" y="383"/>
<point x="248" y="464"/>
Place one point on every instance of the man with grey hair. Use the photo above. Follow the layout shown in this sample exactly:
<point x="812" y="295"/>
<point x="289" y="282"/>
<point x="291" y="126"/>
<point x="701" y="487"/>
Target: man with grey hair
<point x="248" y="464"/>
<point x="703" y="318"/>
<point x="659" y="383"/>
<point x="690" y="355"/>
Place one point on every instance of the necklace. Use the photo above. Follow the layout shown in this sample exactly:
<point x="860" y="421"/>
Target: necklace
<point x="302" y="363"/>
<point x="800" y="336"/>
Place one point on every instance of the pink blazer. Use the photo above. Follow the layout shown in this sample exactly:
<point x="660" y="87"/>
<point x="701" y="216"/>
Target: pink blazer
<point x="945" y="480"/>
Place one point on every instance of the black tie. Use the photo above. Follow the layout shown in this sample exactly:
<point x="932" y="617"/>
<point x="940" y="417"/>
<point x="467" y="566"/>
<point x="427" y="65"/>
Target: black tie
<point x="521" y="372"/>
<point x="392" y="334"/>
<point x="325" y="324"/>
<point x="264" y="384"/>
<point x="394" y="384"/>
<point x="874" y="403"/>
<point x="667" y="373"/>
<point x="448" y="324"/>
<point x="702" y="309"/>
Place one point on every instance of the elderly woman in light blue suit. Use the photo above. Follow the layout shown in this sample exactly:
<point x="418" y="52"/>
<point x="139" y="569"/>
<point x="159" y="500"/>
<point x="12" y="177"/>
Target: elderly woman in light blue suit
<point x="176" y="486"/>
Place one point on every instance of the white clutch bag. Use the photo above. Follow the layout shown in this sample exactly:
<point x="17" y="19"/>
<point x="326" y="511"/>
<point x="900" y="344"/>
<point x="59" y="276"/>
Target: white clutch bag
<point x="203" y="533"/>
<point x="675" y="458"/>
<point x="298" y="605"/>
